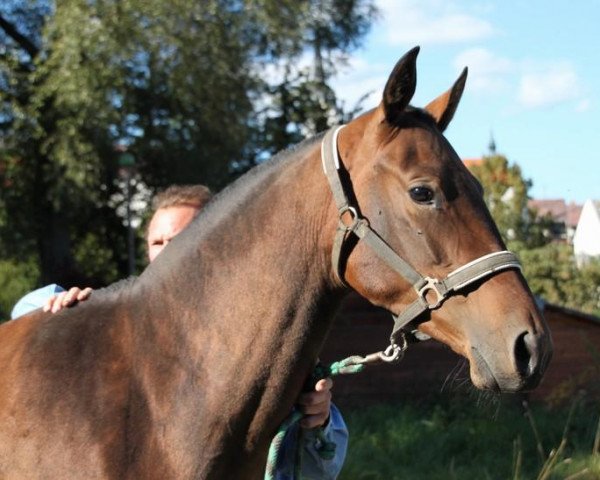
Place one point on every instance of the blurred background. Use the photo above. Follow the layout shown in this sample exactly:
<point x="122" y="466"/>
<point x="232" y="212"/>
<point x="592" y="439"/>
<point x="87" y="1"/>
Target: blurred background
<point x="105" y="102"/>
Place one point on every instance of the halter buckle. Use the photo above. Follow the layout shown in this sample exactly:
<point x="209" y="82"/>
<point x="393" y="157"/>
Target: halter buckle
<point x="432" y="284"/>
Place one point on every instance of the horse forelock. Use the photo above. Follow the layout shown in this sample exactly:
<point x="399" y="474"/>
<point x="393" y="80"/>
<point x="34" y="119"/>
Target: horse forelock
<point x="411" y="117"/>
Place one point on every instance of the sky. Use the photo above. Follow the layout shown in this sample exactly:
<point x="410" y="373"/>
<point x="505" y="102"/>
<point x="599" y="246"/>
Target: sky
<point x="533" y="84"/>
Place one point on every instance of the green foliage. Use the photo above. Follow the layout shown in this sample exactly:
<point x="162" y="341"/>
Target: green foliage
<point x="552" y="273"/>
<point x="16" y="279"/>
<point x="505" y="193"/>
<point x="17" y="232"/>
<point x="93" y="252"/>
<point x="181" y="84"/>
<point x="462" y="439"/>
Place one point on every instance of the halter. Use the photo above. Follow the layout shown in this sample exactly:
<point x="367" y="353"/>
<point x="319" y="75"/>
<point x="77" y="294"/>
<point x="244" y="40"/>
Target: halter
<point x="431" y="292"/>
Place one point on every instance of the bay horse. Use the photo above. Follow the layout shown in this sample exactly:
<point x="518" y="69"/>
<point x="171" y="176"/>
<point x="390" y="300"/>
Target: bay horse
<point x="186" y="371"/>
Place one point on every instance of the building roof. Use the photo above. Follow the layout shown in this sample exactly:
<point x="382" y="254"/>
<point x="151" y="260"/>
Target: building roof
<point x="574" y="314"/>
<point x="558" y="209"/>
<point x="472" y="162"/>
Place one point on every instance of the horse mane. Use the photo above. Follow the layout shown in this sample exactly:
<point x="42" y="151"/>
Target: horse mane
<point x="225" y="201"/>
<point x="239" y="192"/>
<point x="244" y="184"/>
<point x="217" y="214"/>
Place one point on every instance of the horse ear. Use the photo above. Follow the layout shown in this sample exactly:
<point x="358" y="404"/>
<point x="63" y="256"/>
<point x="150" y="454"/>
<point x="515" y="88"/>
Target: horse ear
<point x="442" y="108"/>
<point x="401" y="85"/>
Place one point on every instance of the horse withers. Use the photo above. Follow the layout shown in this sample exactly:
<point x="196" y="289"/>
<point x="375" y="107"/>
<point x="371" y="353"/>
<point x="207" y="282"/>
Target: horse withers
<point x="187" y="371"/>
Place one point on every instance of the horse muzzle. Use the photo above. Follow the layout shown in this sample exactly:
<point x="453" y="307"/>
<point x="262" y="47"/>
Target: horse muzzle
<point x="521" y="369"/>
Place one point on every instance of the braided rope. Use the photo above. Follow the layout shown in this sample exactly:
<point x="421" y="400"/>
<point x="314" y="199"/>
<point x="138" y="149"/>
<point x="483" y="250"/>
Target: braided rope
<point x="326" y="449"/>
<point x="275" y="448"/>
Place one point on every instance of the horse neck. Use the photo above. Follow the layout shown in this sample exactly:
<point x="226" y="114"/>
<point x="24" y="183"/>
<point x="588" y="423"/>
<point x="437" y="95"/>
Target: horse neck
<point x="247" y="291"/>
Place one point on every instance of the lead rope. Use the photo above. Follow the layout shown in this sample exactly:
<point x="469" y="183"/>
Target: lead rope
<point x="325" y="449"/>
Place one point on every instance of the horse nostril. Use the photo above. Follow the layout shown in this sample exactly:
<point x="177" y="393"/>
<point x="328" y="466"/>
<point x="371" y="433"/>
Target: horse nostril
<point x="525" y="354"/>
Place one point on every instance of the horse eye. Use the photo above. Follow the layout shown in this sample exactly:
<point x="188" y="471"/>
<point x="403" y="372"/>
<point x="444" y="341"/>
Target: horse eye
<point x="421" y="194"/>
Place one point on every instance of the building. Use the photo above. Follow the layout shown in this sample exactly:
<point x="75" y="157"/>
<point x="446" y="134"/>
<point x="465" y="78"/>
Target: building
<point x="586" y="239"/>
<point x="564" y="216"/>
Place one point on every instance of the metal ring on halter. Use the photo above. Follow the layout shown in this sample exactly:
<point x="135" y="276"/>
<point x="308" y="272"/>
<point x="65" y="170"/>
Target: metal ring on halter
<point x="353" y="213"/>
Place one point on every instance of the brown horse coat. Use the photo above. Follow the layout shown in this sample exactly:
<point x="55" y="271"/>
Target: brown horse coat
<point x="187" y="371"/>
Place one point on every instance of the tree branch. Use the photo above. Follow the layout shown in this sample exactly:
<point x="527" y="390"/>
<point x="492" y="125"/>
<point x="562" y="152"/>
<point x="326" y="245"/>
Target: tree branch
<point x="21" y="40"/>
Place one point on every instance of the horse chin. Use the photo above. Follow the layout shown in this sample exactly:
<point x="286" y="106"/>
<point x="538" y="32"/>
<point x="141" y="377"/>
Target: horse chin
<point x="485" y="377"/>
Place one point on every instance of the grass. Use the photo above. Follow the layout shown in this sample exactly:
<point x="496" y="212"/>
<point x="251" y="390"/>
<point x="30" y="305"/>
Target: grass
<point x="467" y="439"/>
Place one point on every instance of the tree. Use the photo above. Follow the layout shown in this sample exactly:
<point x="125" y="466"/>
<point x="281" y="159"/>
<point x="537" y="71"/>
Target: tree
<point x="549" y="268"/>
<point x="298" y="102"/>
<point x="179" y="84"/>
<point x="553" y="274"/>
<point x="505" y="193"/>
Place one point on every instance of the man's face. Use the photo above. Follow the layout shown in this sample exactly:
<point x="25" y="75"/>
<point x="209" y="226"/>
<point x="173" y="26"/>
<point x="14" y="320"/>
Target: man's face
<point x="165" y="224"/>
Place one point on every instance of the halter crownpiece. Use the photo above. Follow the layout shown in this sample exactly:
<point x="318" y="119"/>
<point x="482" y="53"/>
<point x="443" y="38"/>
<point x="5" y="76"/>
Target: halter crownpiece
<point x="480" y="268"/>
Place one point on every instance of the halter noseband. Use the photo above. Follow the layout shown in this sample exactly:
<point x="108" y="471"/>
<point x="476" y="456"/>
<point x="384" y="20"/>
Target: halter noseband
<point x="480" y="268"/>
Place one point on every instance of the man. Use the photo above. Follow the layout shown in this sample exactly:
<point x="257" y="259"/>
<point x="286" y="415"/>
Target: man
<point x="174" y="209"/>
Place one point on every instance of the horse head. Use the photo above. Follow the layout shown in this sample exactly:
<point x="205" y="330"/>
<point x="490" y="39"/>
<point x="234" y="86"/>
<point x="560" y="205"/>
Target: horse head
<point x="409" y="191"/>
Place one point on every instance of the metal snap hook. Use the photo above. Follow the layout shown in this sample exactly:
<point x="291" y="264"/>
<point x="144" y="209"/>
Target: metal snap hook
<point x="394" y="352"/>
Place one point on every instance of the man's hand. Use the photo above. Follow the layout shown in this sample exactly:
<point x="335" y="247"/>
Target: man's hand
<point x="66" y="299"/>
<point x="316" y="405"/>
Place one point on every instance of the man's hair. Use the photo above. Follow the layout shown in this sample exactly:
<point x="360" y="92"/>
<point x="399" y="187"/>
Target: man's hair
<point x="196" y="196"/>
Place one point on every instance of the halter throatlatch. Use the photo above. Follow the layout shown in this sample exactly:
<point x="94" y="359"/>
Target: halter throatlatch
<point x="431" y="292"/>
